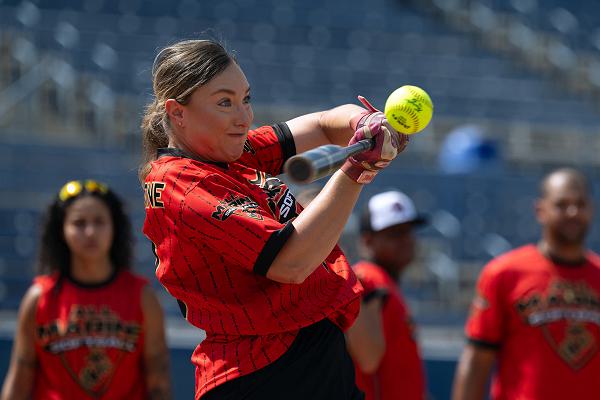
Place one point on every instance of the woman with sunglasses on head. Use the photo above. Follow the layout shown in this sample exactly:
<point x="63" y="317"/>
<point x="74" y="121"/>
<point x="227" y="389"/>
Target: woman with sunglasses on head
<point x="88" y="328"/>
<point x="269" y="285"/>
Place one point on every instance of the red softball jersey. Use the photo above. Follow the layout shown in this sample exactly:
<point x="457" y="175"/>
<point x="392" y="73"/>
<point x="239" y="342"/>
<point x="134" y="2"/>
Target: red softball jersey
<point x="89" y="339"/>
<point x="400" y="374"/>
<point x="544" y="320"/>
<point x="216" y="228"/>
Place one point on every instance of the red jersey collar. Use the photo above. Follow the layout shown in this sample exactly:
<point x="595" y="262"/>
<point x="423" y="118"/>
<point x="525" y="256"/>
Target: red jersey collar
<point x="175" y="152"/>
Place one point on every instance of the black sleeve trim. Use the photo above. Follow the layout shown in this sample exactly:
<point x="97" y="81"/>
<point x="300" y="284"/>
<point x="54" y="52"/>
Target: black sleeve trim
<point x="272" y="248"/>
<point x="286" y="140"/>
<point x="182" y="308"/>
<point x="483" y="344"/>
<point x="379" y="293"/>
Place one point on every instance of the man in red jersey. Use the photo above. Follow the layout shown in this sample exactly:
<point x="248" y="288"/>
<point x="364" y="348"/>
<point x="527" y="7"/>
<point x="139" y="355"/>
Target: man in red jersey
<point x="382" y="341"/>
<point x="536" y="313"/>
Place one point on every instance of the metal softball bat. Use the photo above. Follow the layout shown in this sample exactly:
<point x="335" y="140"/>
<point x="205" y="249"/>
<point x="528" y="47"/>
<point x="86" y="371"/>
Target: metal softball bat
<point x="322" y="161"/>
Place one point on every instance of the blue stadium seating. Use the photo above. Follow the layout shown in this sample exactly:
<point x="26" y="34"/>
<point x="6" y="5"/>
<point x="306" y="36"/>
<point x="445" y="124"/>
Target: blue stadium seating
<point x="305" y="57"/>
<point x="574" y="21"/>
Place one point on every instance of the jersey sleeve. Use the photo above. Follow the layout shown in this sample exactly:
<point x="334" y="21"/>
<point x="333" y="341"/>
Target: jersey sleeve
<point x="373" y="287"/>
<point x="487" y="320"/>
<point x="232" y="226"/>
<point x="267" y="148"/>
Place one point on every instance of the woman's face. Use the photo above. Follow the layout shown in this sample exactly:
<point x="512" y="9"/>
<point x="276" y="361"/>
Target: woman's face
<point x="215" y="122"/>
<point x="88" y="229"/>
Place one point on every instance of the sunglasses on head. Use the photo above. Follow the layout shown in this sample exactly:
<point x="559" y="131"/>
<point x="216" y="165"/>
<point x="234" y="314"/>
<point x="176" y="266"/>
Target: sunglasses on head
<point x="74" y="188"/>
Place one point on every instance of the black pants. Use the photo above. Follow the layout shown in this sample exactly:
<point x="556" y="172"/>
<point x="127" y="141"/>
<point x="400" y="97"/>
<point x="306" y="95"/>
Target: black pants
<point x="316" y="366"/>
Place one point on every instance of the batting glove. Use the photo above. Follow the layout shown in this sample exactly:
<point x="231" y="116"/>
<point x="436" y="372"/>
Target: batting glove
<point x="363" y="167"/>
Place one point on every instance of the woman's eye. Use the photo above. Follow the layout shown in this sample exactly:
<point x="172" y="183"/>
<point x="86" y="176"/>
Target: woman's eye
<point x="225" y="103"/>
<point x="247" y="99"/>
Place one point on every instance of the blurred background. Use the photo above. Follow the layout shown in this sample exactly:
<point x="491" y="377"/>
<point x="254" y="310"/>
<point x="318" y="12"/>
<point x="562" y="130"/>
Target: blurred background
<point x="515" y="83"/>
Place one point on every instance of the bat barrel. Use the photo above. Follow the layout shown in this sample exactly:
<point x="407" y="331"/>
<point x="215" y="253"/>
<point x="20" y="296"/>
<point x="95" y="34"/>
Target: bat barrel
<point x="314" y="164"/>
<point x="321" y="161"/>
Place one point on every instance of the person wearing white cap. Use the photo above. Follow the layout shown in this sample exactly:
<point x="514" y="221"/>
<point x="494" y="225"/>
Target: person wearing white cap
<point x="381" y="341"/>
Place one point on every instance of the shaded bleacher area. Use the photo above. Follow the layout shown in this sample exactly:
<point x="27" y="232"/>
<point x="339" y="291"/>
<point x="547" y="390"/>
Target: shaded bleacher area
<point x="74" y="76"/>
<point x="305" y="54"/>
<point x="558" y="38"/>
<point x="576" y="21"/>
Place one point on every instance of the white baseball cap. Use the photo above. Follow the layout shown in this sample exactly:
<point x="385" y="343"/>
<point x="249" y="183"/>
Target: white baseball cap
<point x="388" y="209"/>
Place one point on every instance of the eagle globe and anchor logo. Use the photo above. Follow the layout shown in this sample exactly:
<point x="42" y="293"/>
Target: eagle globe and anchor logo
<point x="569" y="317"/>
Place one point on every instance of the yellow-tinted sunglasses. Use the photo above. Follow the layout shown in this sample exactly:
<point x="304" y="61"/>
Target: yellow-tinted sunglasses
<point x="74" y="188"/>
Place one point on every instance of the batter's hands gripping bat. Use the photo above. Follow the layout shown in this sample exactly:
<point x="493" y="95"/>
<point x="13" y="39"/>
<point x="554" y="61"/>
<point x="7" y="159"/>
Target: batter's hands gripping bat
<point x="371" y="148"/>
<point x="408" y="110"/>
<point x="325" y="160"/>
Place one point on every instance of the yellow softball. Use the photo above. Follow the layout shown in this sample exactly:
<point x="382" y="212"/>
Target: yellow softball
<point x="408" y="109"/>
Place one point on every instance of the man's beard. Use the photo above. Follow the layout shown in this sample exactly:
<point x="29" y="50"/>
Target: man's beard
<point x="571" y="238"/>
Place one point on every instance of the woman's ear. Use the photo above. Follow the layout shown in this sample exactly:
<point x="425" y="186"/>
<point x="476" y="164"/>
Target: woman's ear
<point x="175" y="112"/>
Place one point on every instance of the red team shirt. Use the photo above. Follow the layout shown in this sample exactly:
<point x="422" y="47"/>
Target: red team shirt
<point x="400" y="374"/>
<point x="216" y="228"/>
<point x="544" y="318"/>
<point x="89" y="339"/>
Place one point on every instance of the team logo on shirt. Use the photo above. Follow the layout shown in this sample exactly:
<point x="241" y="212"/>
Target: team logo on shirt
<point x="281" y="201"/>
<point x="271" y="185"/>
<point x="98" y="369"/>
<point x="234" y="204"/>
<point x="568" y="314"/>
<point x="90" y="345"/>
<point x="287" y="206"/>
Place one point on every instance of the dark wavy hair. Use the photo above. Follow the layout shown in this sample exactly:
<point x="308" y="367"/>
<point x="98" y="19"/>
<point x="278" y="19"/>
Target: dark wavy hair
<point x="55" y="256"/>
